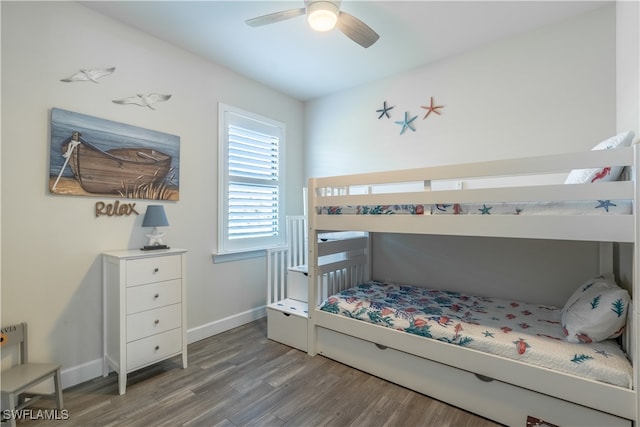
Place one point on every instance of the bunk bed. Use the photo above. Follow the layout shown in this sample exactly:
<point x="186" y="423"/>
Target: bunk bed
<point x="509" y="390"/>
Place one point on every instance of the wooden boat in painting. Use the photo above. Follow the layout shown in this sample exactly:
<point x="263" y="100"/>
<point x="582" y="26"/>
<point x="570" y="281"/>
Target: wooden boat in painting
<point x="115" y="171"/>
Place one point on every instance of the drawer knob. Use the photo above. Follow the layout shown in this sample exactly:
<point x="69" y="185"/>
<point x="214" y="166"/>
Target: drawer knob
<point x="156" y="296"/>
<point x="155" y="270"/>
<point x="156" y="322"/>
<point x="157" y="348"/>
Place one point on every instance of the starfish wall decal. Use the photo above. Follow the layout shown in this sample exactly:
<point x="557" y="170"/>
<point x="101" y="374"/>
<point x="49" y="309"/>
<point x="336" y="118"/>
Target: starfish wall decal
<point x="406" y="123"/>
<point x="384" y="111"/>
<point x="432" y="109"/>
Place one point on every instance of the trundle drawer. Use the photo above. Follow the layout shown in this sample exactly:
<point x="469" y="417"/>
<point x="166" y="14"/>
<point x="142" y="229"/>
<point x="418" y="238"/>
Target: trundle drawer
<point x="147" y="297"/>
<point x="155" y="269"/>
<point x="150" y="322"/>
<point x="153" y="348"/>
<point x="287" y="323"/>
<point x="496" y="400"/>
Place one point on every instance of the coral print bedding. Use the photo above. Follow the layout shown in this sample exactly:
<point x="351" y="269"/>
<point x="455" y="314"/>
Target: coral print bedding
<point x="595" y="207"/>
<point x="529" y="333"/>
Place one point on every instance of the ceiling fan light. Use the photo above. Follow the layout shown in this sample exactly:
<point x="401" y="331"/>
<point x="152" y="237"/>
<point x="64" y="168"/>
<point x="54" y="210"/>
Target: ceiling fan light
<point x="322" y="15"/>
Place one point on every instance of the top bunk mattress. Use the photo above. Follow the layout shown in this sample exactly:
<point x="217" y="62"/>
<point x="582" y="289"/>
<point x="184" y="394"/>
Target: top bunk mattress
<point x="520" y="331"/>
<point x="596" y="207"/>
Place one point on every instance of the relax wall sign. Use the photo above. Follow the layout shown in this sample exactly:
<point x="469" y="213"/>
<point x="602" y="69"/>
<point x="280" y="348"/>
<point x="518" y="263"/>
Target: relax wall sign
<point x="115" y="209"/>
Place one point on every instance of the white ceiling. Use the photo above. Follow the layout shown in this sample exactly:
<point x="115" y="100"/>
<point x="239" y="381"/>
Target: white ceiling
<point x="304" y="64"/>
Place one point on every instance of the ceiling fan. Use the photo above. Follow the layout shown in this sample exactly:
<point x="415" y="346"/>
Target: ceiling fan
<point x="324" y="15"/>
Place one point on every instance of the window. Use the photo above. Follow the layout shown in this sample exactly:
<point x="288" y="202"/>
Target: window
<point x="251" y="181"/>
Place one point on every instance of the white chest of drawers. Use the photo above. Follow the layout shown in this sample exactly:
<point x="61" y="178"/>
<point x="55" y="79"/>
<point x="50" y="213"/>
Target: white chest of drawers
<point x="145" y="316"/>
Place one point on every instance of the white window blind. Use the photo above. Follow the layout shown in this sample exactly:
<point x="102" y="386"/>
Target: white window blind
<point x="251" y="214"/>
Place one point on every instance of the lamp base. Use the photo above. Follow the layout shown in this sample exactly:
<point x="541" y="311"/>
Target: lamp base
<point x="153" y="247"/>
<point x="155" y="238"/>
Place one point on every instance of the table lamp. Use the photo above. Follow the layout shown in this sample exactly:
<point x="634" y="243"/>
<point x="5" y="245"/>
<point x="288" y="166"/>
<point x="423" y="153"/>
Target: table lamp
<point x="155" y="217"/>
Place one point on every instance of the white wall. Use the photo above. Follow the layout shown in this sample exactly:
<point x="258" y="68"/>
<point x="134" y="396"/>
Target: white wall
<point x="628" y="65"/>
<point x="548" y="91"/>
<point x="51" y="245"/>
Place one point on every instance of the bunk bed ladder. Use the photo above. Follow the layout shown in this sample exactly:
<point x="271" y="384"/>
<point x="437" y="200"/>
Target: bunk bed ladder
<point x="297" y="240"/>
<point x="276" y="274"/>
<point x="280" y="259"/>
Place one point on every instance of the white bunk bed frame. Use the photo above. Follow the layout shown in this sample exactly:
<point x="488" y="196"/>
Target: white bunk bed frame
<point x="501" y="389"/>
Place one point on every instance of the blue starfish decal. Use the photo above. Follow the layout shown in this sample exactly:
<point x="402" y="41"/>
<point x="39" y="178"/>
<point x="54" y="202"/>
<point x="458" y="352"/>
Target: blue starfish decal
<point x="606" y="204"/>
<point x="406" y="123"/>
<point x="485" y="209"/>
<point x="603" y="353"/>
<point x="384" y="111"/>
<point x="489" y="334"/>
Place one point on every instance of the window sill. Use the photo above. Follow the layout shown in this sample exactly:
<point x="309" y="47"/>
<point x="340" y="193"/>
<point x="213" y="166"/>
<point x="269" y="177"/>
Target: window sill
<point x="237" y="256"/>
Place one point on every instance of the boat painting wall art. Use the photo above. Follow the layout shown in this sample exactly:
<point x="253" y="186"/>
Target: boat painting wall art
<point x="96" y="157"/>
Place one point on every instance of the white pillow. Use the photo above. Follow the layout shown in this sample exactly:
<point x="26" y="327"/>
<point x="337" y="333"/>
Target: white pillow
<point x="596" y="311"/>
<point x="584" y="176"/>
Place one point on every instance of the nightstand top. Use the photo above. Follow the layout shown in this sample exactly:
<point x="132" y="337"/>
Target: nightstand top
<point x="137" y="253"/>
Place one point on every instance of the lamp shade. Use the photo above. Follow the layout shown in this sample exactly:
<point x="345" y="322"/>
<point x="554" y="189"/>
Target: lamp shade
<point x="155" y="217"/>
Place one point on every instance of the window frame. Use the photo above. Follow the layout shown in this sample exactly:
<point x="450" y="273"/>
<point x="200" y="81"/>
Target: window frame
<point x="231" y="249"/>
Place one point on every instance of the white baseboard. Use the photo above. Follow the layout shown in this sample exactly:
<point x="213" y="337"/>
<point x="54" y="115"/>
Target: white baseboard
<point x="81" y="373"/>
<point x="222" y="325"/>
<point x="93" y="369"/>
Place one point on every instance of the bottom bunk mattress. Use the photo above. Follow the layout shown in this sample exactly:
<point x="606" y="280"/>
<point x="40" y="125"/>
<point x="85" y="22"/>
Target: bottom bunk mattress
<point x="529" y="333"/>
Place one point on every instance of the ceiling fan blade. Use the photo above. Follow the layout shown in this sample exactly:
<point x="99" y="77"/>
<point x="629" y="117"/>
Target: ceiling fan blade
<point x="356" y="30"/>
<point x="275" y="17"/>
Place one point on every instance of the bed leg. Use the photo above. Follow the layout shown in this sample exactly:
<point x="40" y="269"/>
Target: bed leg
<point x="312" y="342"/>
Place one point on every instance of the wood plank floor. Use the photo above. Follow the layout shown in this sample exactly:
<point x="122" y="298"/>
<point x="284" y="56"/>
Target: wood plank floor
<point x="240" y="378"/>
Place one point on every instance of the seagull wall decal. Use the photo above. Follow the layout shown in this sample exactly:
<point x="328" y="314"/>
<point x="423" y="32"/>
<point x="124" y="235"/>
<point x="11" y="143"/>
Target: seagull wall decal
<point x="86" y="75"/>
<point x="143" y="100"/>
